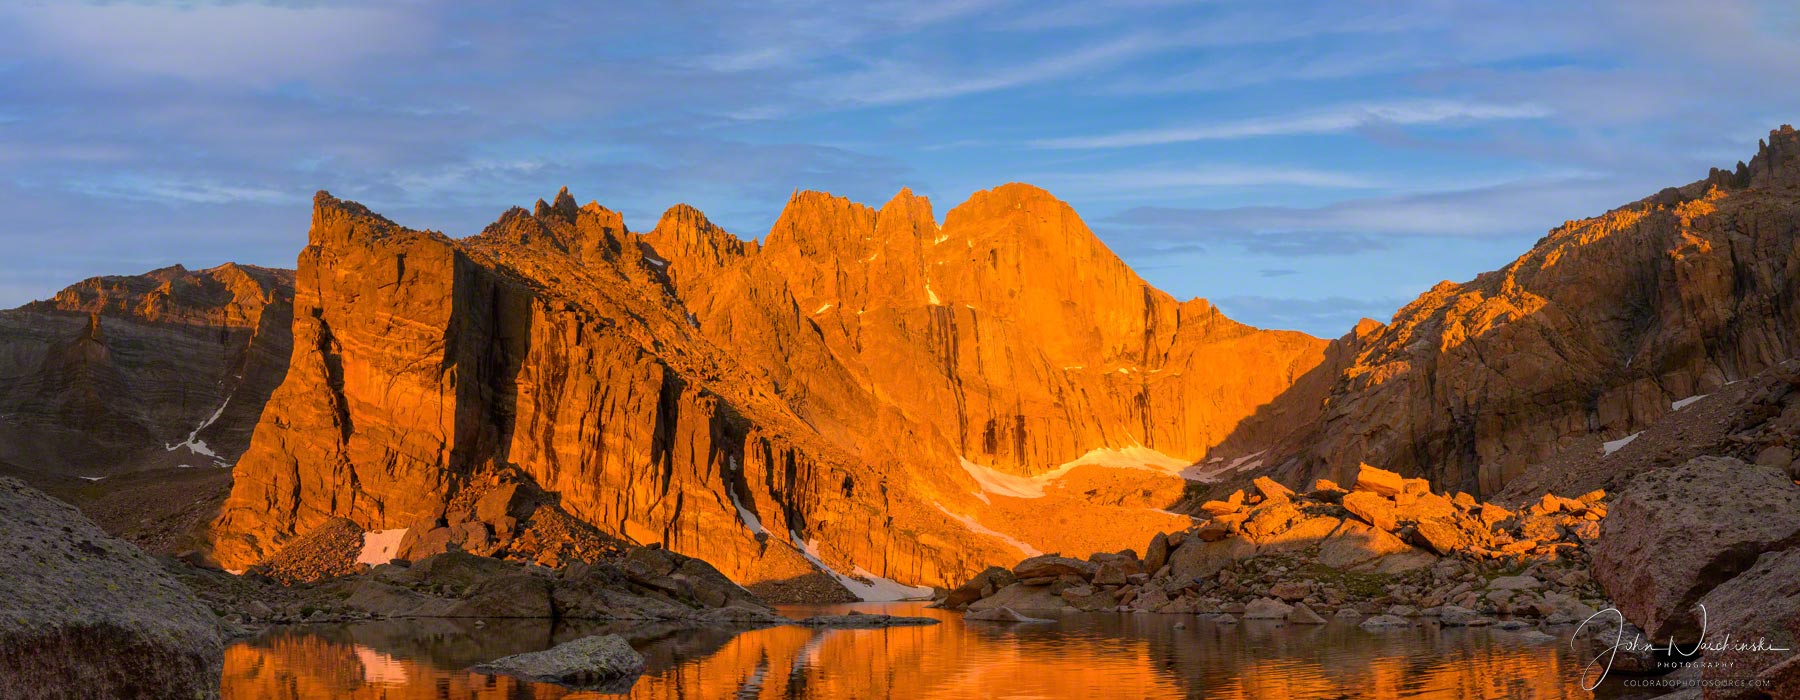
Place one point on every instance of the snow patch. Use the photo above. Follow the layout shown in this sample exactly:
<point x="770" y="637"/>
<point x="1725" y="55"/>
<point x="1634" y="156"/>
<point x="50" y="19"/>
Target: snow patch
<point x="380" y="547"/>
<point x="193" y="442"/>
<point x="656" y="261"/>
<point x="753" y="523"/>
<point x="874" y="589"/>
<point x="1216" y="468"/>
<point x="1684" y="403"/>
<point x="976" y="527"/>
<point x="93" y="478"/>
<point x="821" y="309"/>
<point x="1001" y="483"/>
<point x="932" y="296"/>
<point x="940" y="239"/>
<point x="1616" y="445"/>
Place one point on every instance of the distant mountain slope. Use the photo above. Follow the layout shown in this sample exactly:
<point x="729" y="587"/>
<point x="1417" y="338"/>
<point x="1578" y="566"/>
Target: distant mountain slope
<point x="835" y="394"/>
<point x="122" y="373"/>
<point x="1596" y="331"/>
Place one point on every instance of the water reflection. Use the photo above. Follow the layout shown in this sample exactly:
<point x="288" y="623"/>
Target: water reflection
<point x="1080" y="656"/>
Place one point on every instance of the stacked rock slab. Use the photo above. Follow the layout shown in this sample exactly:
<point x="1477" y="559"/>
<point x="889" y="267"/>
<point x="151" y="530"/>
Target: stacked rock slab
<point x="87" y="611"/>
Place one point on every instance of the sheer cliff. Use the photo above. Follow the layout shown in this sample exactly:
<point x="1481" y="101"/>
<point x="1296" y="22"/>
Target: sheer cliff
<point x="861" y="390"/>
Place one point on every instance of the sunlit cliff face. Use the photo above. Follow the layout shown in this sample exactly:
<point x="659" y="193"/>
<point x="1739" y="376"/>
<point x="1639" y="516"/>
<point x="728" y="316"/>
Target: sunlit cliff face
<point x="1097" y="656"/>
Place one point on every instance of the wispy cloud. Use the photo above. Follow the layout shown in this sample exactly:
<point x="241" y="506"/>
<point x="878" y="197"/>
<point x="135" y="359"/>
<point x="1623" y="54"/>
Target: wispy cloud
<point x="890" y="82"/>
<point x="1325" y="121"/>
<point x="1138" y="182"/>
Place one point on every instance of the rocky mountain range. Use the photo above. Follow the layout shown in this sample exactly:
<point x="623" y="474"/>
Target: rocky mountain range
<point x="863" y="395"/>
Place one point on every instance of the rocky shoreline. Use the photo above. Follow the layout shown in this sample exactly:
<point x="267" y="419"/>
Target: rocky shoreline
<point x="1387" y="548"/>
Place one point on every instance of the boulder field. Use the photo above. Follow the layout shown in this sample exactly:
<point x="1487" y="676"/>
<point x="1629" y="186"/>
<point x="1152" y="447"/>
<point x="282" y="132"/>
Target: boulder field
<point x="1384" y="545"/>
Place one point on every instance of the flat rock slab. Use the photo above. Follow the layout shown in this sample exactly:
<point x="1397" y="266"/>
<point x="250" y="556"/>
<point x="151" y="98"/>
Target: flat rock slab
<point x="601" y="662"/>
<point x="858" y="620"/>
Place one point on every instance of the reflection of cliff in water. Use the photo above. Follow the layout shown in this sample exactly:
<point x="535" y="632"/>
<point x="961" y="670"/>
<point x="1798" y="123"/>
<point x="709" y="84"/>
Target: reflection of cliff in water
<point x="1081" y="656"/>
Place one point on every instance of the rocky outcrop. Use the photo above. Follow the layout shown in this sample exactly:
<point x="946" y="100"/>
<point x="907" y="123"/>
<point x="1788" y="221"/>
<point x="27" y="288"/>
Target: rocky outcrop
<point x="123" y="373"/>
<point x="1596" y="331"/>
<point x="1674" y="534"/>
<point x="603" y="661"/>
<point x="89" y="612"/>
<point x="837" y="398"/>
<point x="1281" y="555"/>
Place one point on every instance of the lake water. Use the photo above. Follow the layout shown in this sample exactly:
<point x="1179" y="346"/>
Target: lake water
<point x="1090" y="655"/>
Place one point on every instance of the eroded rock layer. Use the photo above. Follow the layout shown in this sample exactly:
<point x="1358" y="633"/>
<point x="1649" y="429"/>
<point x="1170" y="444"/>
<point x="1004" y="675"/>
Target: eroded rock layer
<point x="832" y="396"/>
<point x="123" y="373"/>
<point x="1600" y="329"/>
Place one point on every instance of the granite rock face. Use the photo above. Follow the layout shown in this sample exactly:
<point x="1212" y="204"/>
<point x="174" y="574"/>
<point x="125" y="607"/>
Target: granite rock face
<point x="1675" y="533"/>
<point x="87" y="611"/>
<point x="122" y="373"/>
<point x="828" y="395"/>
<point x="1597" y="330"/>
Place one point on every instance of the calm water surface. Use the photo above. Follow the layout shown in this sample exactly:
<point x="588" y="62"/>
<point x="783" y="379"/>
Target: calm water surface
<point x="1090" y="655"/>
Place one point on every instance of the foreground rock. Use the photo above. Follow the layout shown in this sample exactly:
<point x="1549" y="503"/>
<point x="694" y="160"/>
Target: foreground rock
<point x="1003" y="615"/>
<point x="602" y="661"/>
<point x="1675" y="533"/>
<point x="1288" y="555"/>
<point x="87" y="614"/>
<point x="859" y="620"/>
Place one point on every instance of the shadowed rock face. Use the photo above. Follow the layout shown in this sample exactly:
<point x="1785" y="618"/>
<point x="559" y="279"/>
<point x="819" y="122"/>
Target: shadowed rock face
<point x="1597" y="329"/>
<point x="731" y="400"/>
<point x="86" y="611"/>
<point x="122" y="373"/>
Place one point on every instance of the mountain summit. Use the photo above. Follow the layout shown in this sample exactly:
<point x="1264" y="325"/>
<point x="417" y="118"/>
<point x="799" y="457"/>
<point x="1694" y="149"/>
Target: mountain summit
<point x="844" y="396"/>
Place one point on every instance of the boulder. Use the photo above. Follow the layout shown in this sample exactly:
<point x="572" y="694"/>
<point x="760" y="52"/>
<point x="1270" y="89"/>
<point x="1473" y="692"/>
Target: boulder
<point x="1426" y="505"/>
<point x="88" y="615"/>
<point x="1266" y="609"/>
<point x="1197" y="559"/>
<point x="1290" y="591"/>
<point x="1379" y="481"/>
<point x="501" y="502"/>
<point x="1355" y="543"/>
<point x="1269" y="519"/>
<point x="1157" y="554"/>
<point x="1302" y="615"/>
<point x="1440" y="536"/>
<point x="990" y="579"/>
<point x="1002" y="614"/>
<point x="1020" y="597"/>
<point x="1674" y="533"/>
<point x="1051" y="565"/>
<point x="1763" y="603"/>
<point x="1371" y="508"/>
<point x="1457" y="616"/>
<point x="1304" y="533"/>
<point x="1271" y="489"/>
<point x="1115" y="573"/>
<point x="590" y="662"/>
<point x="862" y="621"/>
<point x="1524" y="582"/>
<point x="1377" y="622"/>
<point x="517" y="595"/>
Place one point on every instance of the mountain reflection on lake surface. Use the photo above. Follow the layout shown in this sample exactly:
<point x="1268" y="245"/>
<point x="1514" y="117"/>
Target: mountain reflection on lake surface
<point x="1093" y="655"/>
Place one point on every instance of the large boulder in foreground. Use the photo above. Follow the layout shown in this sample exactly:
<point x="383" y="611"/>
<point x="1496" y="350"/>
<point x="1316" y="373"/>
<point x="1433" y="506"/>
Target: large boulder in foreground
<point x="1759" y="605"/>
<point x="602" y="661"/>
<point x="87" y="615"/>
<point x="1675" y="533"/>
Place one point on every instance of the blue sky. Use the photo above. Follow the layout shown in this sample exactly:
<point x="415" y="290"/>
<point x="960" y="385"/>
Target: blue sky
<point x="1303" y="164"/>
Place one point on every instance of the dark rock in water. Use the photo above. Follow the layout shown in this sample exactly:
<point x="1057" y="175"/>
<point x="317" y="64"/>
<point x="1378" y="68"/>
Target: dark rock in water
<point x="87" y="615"/>
<point x="1002" y="615"/>
<point x="857" y="620"/>
<point x="602" y="662"/>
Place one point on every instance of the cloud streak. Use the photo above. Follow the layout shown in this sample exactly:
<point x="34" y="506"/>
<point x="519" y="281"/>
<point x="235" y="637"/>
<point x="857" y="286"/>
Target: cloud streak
<point x="1331" y="120"/>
